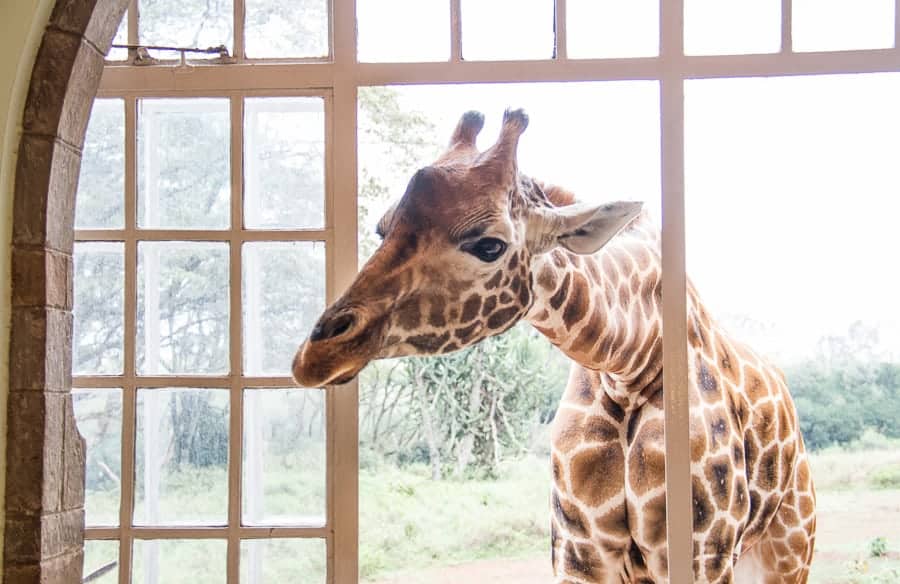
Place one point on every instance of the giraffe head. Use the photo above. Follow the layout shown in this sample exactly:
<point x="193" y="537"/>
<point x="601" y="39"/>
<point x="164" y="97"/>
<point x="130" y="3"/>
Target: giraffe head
<point x="455" y="263"/>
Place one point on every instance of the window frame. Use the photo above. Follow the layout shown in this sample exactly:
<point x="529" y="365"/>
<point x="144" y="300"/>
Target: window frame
<point x="340" y="76"/>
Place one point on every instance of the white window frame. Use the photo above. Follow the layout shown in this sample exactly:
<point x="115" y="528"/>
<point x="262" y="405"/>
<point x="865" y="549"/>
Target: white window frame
<point x="339" y="78"/>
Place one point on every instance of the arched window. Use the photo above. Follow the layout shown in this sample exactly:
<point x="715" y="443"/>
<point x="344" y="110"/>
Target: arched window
<point x="218" y="212"/>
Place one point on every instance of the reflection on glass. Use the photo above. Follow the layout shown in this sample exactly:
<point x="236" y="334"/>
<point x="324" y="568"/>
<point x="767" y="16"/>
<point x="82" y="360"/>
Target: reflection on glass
<point x="284" y="163"/>
<point x="834" y="25"/>
<point x="273" y="561"/>
<point x="280" y="30"/>
<point x="186" y="23"/>
<point x="791" y="231"/>
<point x="179" y="561"/>
<point x="97" y="337"/>
<point x="284" y="293"/>
<point x="612" y="28"/>
<point x="182" y="320"/>
<point x="723" y="27"/>
<point x="183" y="163"/>
<point x="101" y="562"/>
<point x="284" y="457"/>
<point x="423" y="34"/>
<point x="101" y="183"/>
<point x="507" y="30"/>
<point x="99" y="416"/>
<point x="181" y="457"/>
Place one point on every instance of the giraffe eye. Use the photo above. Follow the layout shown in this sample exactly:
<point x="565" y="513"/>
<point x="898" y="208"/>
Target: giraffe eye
<point x="486" y="249"/>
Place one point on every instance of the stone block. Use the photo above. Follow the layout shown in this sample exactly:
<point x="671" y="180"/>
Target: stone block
<point x="96" y="20"/>
<point x="62" y="533"/>
<point x="44" y="203"/>
<point x="42" y="278"/>
<point x="40" y="350"/>
<point x="63" y="86"/>
<point x="74" y="452"/>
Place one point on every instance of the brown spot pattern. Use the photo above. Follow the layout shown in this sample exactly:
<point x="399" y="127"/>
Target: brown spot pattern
<point x="593" y="472"/>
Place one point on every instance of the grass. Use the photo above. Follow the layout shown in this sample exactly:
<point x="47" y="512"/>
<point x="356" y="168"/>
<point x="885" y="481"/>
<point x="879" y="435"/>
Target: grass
<point x="409" y="523"/>
<point x="858" y="505"/>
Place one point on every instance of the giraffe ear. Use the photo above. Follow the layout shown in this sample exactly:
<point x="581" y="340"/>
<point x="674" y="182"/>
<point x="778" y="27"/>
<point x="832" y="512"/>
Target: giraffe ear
<point x="580" y="228"/>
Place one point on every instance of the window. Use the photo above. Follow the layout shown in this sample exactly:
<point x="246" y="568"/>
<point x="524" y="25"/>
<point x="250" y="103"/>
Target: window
<point x="218" y="214"/>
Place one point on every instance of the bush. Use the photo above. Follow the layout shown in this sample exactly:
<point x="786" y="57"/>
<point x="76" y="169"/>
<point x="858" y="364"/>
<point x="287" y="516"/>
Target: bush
<point x="878" y="547"/>
<point x="886" y="478"/>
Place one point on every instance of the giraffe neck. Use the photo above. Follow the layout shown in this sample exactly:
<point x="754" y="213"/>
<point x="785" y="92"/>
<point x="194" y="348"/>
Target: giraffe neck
<point x="604" y="310"/>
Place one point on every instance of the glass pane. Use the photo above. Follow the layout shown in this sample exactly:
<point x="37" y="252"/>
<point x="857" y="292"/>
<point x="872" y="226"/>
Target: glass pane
<point x="528" y="32"/>
<point x="101" y="183"/>
<point x="284" y="457"/>
<point x="284" y="294"/>
<point x="99" y="313"/>
<point x="722" y="27"/>
<point x="385" y="38"/>
<point x="183" y="163"/>
<point x="275" y="29"/>
<point x="274" y="561"/>
<point x="284" y="163"/>
<point x="101" y="561"/>
<point x="99" y="416"/>
<point x="613" y="152"/>
<point x="182" y="319"/>
<point x="791" y="199"/>
<point x="121" y="38"/>
<point x="834" y="25"/>
<point x="179" y="561"/>
<point x="420" y="443"/>
<point x="181" y="457"/>
<point x="612" y="28"/>
<point x="186" y="23"/>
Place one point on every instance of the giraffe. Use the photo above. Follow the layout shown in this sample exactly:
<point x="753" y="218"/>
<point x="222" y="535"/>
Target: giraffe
<point x="474" y="246"/>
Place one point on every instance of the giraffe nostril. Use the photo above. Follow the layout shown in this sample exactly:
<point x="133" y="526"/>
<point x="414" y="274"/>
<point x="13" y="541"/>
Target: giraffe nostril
<point x="333" y="327"/>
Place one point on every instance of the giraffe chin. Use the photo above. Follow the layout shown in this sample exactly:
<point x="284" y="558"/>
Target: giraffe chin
<point x="314" y="368"/>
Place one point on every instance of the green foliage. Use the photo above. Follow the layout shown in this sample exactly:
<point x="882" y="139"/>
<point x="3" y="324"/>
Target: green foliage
<point x="836" y="405"/>
<point x="887" y="477"/>
<point x="393" y="143"/>
<point x="860" y="572"/>
<point x="878" y="547"/>
<point x="408" y="521"/>
<point x="462" y="413"/>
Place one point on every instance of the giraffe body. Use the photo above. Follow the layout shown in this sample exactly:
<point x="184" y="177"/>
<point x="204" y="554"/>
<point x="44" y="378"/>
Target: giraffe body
<point x="752" y="492"/>
<point x="474" y="246"/>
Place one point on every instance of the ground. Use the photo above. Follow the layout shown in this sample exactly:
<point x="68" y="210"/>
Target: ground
<point x="852" y="514"/>
<point x="848" y="521"/>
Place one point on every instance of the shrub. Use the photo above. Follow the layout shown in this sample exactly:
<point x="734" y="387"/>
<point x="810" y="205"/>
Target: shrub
<point x="887" y="477"/>
<point x="878" y="547"/>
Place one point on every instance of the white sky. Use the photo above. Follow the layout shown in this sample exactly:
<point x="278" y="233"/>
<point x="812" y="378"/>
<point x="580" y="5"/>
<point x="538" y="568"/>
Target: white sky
<point x="793" y="193"/>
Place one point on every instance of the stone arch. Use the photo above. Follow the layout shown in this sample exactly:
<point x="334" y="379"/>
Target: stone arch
<point x="44" y="529"/>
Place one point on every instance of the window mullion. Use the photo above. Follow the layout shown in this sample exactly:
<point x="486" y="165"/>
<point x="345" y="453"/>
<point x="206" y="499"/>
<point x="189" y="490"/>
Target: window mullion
<point x="561" y="51"/>
<point x="679" y="516"/>
<point x="240" y="52"/>
<point x="342" y="404"/>
<point x="896" y="24"/>
<point x="787" y="26"/>
<point x="455" y="31"/>
<point x="129" y="390"/>
<point x="235" y="440"/>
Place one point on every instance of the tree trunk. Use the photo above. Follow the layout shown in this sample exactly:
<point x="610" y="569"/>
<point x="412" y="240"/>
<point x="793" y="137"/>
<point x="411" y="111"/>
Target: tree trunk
<point x="434" y="454"/>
